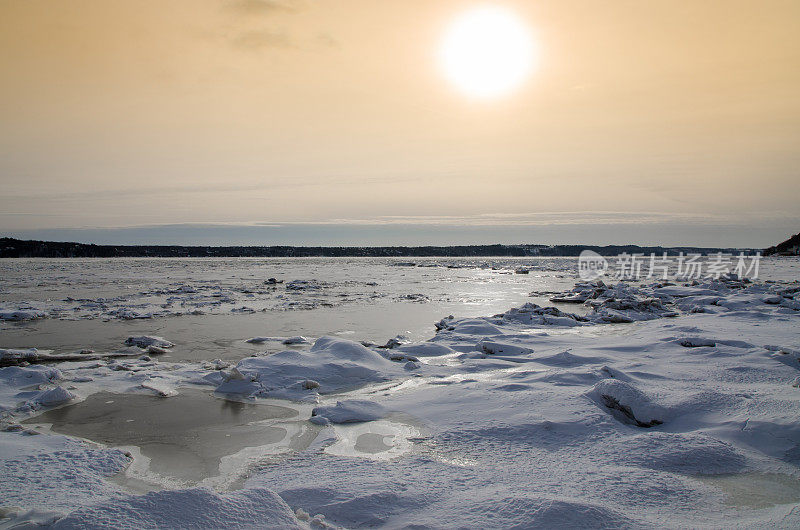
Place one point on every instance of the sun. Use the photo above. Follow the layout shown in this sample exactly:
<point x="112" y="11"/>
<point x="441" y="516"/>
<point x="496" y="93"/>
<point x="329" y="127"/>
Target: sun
<point x="487" y="52"/>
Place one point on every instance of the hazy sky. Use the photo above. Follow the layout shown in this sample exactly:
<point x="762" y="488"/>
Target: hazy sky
<point x="659" y="114"/>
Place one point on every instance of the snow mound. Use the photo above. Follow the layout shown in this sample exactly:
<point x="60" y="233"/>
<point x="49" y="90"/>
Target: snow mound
<point x="627" y="403"/>
<point x="191" y="508"/>
<point x="567" y="359"/>
<point x="524" y="512"/>
<point x="336" y="364"/>
<point x="426" y="349"/>
<point x="351" y="411"/>
<point x="23" y="376"/>
<point x="474" y="326"/>
<point x="25" y="388"/>
<point x="55" y="396"/>
<point x="502" y="348"/>
<point x="687" y="453"/>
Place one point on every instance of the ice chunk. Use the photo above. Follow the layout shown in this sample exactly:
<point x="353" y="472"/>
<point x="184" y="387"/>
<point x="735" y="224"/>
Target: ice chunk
<point x="156" y="350"/>
<point x="130" y="314"/>
<point x="144" y="341"/>
<point x="630" y="404"/>
<point x="55" y="396"/>
<point x="16" y="316"/>
<point x="161" y="388"/>
<point x="501" y="348"/>
<point x="533" y="314"/>
<point x="395" y="342"/>
<point x="696" y="342"/>
<point x="15" y="356"/>
<point x="283" y="340"/>
<point x="24" y="376"/>
<point x="236" y="382"/>
<point x="296" y="340"/>
<point x="261" y="340"/>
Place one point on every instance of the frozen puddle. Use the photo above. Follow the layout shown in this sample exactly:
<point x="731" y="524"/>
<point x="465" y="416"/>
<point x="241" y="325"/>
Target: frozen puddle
<point x="377" y="440"/>
<point x="756" y="490"/>
<point x="191" y="438"/>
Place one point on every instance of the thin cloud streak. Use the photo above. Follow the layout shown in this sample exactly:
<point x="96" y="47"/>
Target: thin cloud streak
<point x="261" y="7"/>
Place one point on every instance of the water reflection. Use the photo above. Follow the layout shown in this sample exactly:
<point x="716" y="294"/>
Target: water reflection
<point x="186" y="437"/>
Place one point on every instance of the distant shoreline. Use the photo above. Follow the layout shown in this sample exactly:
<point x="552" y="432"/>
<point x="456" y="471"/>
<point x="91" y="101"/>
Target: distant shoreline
<point x="16" y="248"/>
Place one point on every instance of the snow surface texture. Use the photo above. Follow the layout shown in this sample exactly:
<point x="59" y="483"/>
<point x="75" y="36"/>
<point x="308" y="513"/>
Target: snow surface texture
<point x="534" y="425"/>
<point x="350" y="411"/>
<point x="198" y="508"/>
<point x="54" y="472"/>
<point x="652" y="409"/>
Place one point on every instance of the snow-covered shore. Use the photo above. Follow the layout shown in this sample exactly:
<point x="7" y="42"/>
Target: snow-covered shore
<point x="660" y="405"/>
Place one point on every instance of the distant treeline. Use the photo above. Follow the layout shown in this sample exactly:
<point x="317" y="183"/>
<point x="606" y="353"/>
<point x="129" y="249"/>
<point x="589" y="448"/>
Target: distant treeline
<point x="15" y="248"/>
<point x="790" y="247"/>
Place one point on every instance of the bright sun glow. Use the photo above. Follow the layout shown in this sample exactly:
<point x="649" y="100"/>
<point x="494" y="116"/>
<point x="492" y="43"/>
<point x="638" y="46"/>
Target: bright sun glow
<point x="487" y="52"/>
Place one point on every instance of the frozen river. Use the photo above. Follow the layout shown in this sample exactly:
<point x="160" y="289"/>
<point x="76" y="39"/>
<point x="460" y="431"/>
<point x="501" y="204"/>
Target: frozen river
<point x="208" y="307"/>
<point x="395" y="392"/>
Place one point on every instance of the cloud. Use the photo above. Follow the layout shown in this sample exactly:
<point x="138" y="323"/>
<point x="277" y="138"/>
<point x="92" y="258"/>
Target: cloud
<point x="261" y="7"/>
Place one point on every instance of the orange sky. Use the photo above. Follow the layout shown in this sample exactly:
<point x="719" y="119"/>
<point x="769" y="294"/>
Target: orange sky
<point x="124" y="113"/>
